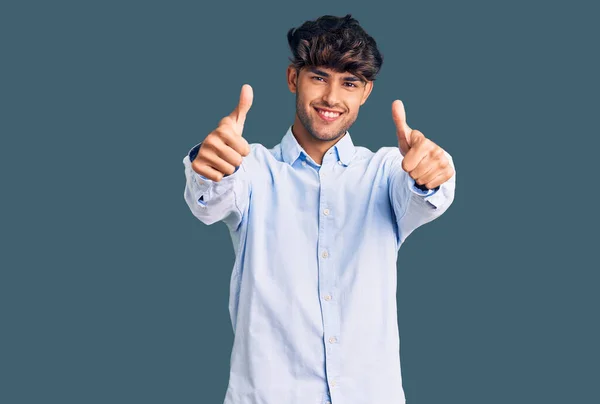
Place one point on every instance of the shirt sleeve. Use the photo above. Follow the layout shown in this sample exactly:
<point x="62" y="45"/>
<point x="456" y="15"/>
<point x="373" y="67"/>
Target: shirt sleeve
<point x="412" y="206"/>
<point x="213" y="201"/>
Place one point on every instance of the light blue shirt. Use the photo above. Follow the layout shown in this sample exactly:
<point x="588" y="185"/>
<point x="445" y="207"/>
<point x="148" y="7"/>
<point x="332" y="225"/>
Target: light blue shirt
<point x="313" y="287"/>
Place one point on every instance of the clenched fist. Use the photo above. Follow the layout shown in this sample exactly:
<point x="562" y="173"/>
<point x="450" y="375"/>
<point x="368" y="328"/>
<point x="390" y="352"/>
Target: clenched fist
<point x="222" y="150"/>
<point x="424" y="160"/>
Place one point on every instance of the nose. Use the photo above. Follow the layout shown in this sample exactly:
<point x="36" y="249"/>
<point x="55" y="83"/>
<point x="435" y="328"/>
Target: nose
<point x="331" y="96"/>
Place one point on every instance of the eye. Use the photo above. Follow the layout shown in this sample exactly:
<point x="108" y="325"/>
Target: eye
<point x="351" y="84"/>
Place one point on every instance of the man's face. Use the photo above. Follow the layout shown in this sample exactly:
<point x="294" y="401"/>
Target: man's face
<point x="327" y="102"/>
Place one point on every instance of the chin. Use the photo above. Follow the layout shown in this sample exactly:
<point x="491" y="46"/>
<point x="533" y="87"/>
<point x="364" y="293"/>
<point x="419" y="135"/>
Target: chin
<point x="331" y="134"/>
<point x="320" y="130"/>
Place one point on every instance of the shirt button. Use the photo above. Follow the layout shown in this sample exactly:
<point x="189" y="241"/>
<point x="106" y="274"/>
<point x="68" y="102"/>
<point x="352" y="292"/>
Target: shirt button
<point x="304" y="163"/>
<point x="328" y="297"/>
<point x="322" y="174"/>
<point x="325" y="254"/>
<point x="339" y="162"/>
<point x="326" y="212"/>
<point x="332" y="383"/>
<point x="333" y="340"/>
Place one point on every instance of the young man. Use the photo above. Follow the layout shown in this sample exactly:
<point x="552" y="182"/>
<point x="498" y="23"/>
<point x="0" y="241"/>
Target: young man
<point x="316" y="224"/>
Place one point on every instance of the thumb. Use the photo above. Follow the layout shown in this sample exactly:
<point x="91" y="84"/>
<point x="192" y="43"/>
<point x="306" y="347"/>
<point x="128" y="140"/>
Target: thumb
<point x="246" y="97"/>
<point x="402" y="129"/>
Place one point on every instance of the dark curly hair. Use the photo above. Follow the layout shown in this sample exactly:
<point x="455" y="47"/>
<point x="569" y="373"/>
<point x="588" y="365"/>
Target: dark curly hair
<point x="339" y="43"/>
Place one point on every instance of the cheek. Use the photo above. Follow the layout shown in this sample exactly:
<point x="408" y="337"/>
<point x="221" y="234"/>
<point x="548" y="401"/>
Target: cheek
<point x="353" y="109"/>
<point x="305" y="101"/>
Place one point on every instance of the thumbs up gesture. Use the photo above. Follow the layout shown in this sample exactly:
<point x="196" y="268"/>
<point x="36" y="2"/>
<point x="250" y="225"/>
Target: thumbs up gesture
<point x="223" y="148"/>
<point x="423" y="160"/>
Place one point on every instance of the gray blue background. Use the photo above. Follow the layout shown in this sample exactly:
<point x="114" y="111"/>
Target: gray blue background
<point x="112" y="292"/>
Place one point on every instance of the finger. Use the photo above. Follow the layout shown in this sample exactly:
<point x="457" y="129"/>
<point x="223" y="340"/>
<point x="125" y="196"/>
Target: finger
<point x="246" y="98"/>
<point x="433" y="161"/>
<point x="422" y="169"/>
<point x="437" y="180"/>
<point x="219" y="147"/>
<point x="429" y="176"/>
<point x="403" y="131"/>
<point x="229" y="155"/>
<point x="209" y="172"/>
<point x="231" y="139"/>
<point x="420" y="148"/>
<point x="217" y="162"/>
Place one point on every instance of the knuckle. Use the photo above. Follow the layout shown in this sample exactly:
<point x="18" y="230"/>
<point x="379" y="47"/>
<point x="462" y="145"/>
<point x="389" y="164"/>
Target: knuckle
<point x="210" y="140"/>
<point x="226" y="121"/>
<point x="204" y="152"/>
<point x="225" y="128"/>
<point x="404" y="165"/>
<point x="229" y="131"/>
<point x="240" y="146"/>
<point x="246" y="147"/>
<point x="220" y="132"/>
<point x="196" y="167"/>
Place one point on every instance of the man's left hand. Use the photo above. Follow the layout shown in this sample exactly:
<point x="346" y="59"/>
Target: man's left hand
<point x="423" y="160"/>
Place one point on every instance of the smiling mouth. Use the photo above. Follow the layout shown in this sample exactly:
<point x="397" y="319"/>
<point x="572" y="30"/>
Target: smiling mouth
<point x="327" y="115"/>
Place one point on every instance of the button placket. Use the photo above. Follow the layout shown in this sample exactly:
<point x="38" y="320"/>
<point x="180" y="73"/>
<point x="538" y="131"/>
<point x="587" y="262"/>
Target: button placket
<point x="328" y="269"/>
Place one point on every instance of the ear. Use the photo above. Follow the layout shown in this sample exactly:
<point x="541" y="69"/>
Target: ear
<point x="367" y="91"/>
<point x="292" y="78"/>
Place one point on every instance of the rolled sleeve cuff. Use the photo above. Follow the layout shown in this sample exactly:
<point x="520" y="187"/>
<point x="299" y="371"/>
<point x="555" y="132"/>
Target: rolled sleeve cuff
<point x="412" y="184"/>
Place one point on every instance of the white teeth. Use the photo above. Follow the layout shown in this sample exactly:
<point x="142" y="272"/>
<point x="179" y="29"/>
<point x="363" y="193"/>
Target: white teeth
<point x="329" y="114"/>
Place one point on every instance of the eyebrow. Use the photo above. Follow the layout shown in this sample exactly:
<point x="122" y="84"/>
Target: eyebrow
<point x="324" y="74"/>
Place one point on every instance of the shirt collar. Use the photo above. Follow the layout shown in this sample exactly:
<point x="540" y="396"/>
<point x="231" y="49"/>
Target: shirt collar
<point x="291" y="149"/>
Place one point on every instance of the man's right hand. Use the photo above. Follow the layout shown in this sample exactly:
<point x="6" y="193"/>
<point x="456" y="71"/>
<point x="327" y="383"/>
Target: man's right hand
<point x="222" y="150"/>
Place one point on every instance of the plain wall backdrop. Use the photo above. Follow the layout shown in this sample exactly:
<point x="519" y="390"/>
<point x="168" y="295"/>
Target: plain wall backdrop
<point x="111" y="291"/>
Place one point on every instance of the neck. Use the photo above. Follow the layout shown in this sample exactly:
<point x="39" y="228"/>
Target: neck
<point x="315" y="148"/>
